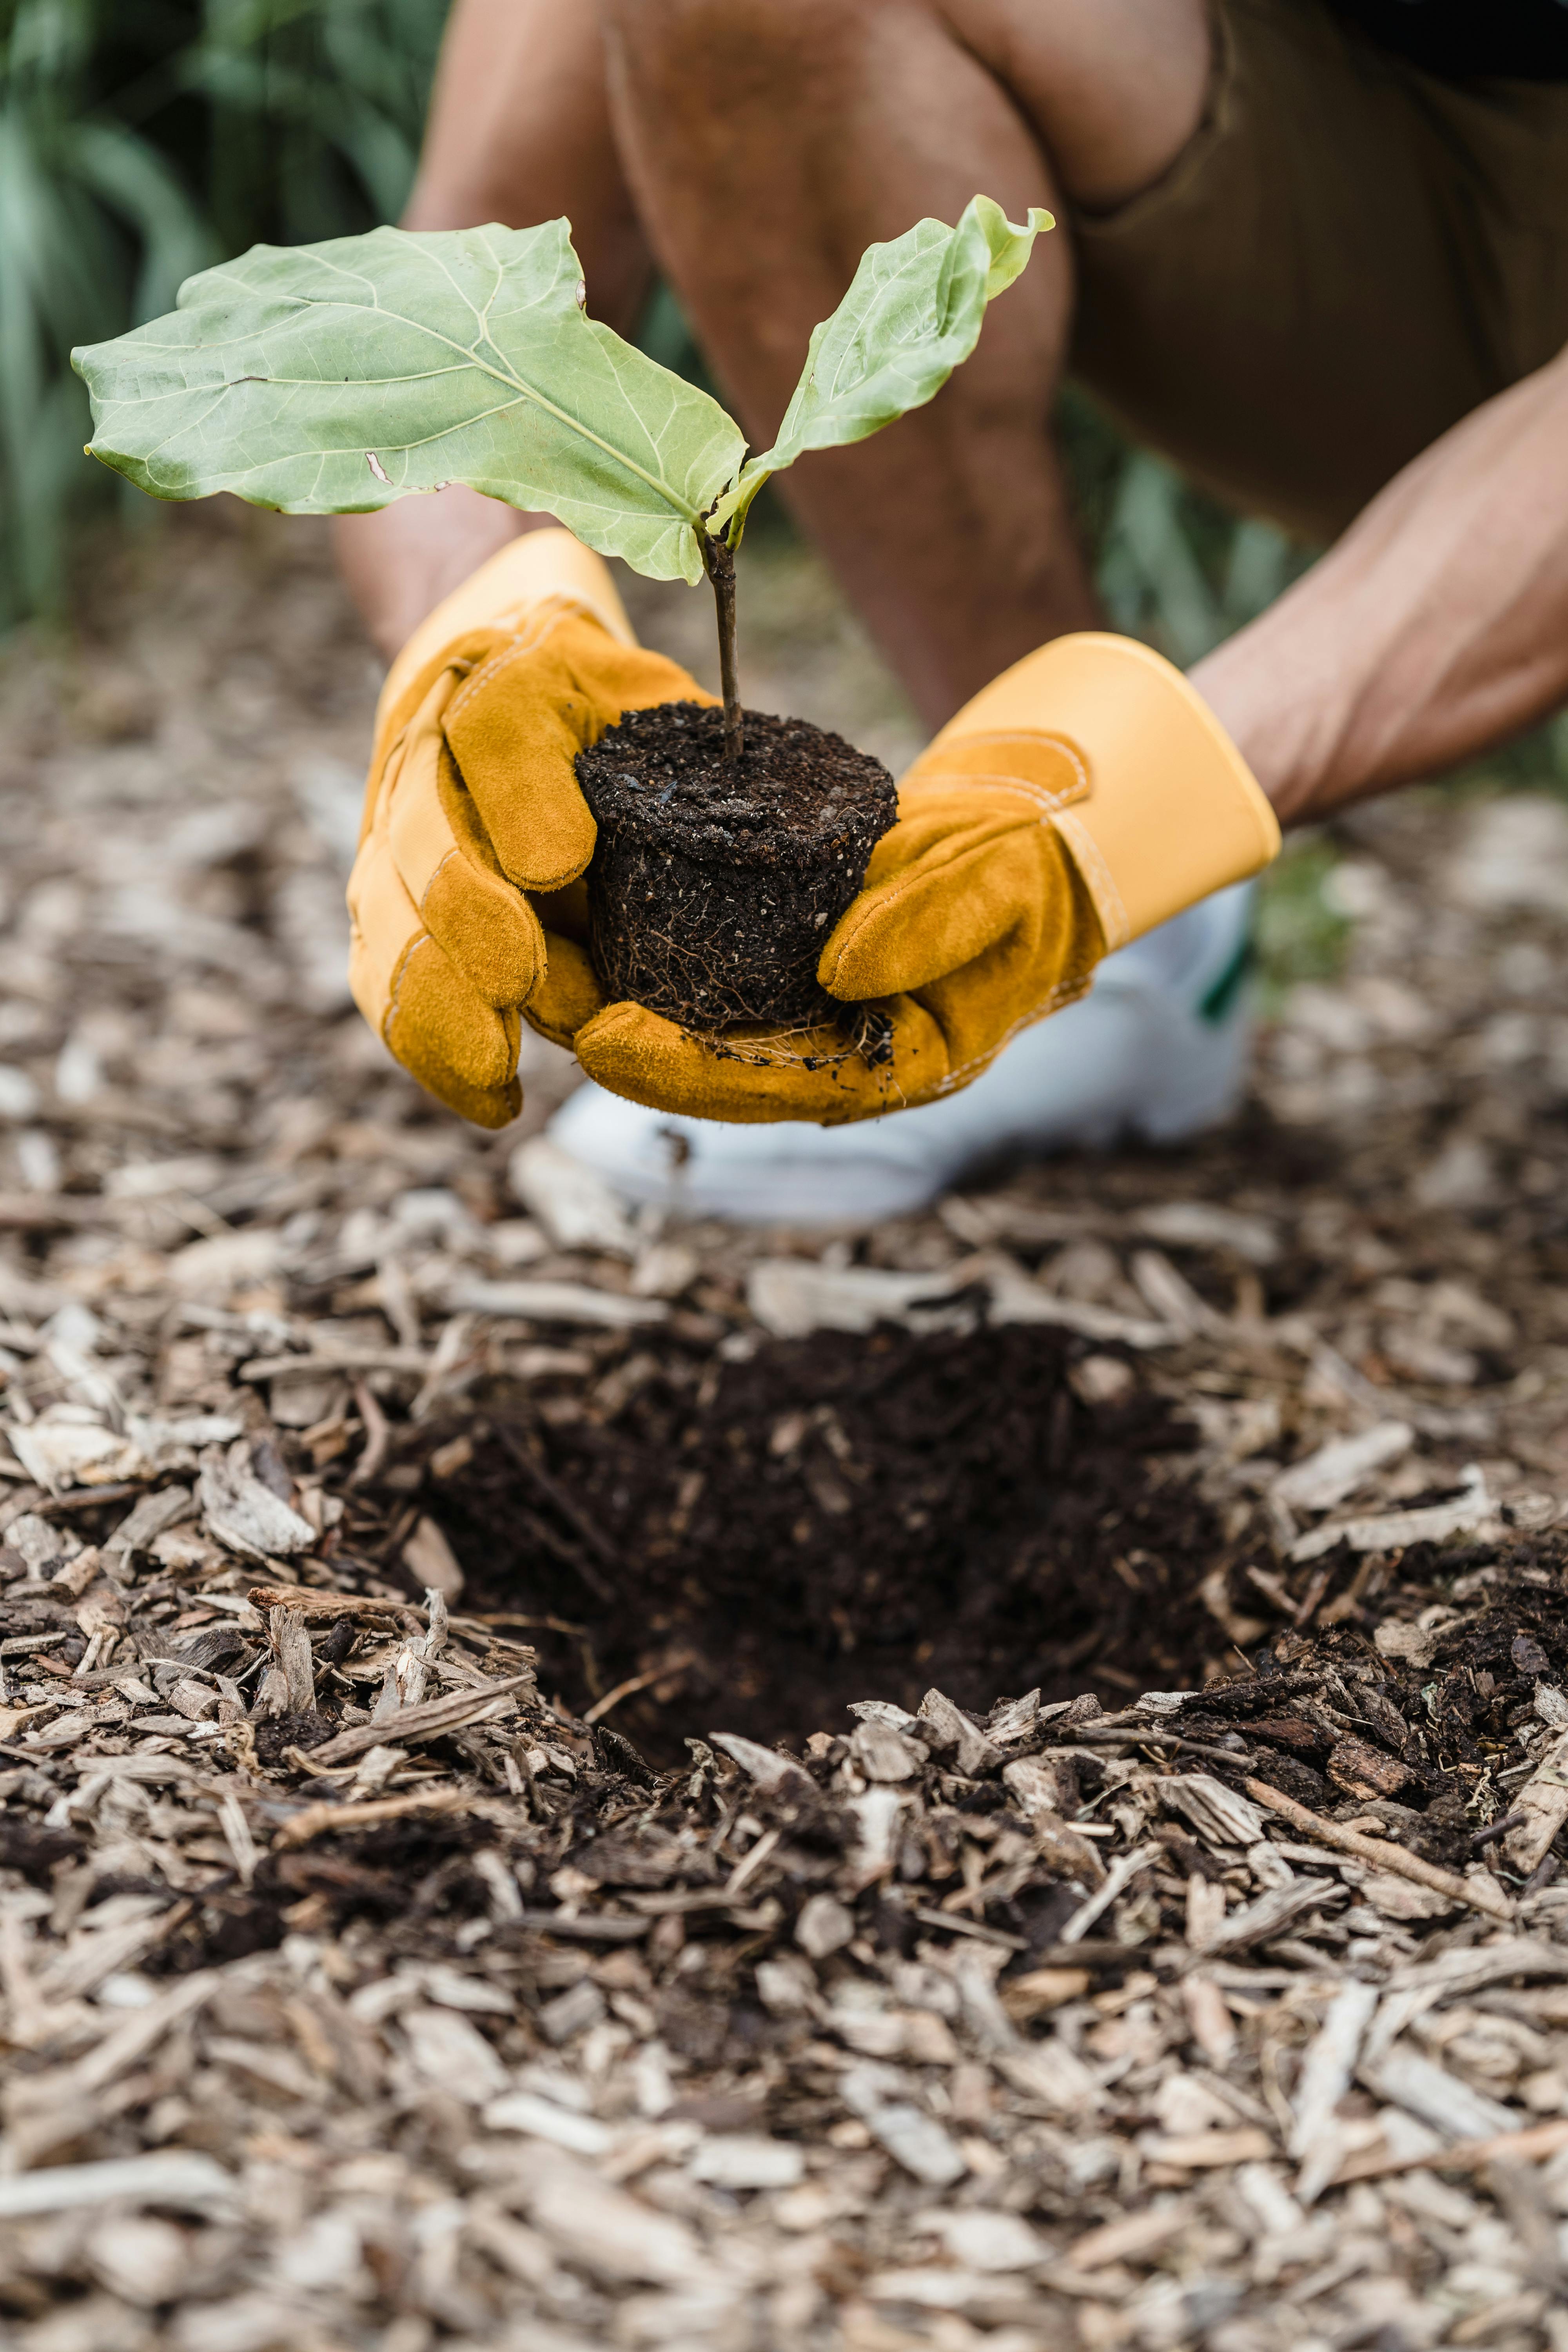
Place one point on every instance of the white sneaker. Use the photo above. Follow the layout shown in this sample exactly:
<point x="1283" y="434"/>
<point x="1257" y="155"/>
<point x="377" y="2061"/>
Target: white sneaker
<point x="1157" y="1049"/>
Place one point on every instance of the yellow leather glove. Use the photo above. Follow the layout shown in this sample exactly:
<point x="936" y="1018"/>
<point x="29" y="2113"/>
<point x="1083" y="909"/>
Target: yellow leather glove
<point x="460" y="907"/>
<point x="1084" y="796"/>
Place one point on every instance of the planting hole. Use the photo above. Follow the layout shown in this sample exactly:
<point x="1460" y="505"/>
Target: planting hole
<point x="836" y="1518"/>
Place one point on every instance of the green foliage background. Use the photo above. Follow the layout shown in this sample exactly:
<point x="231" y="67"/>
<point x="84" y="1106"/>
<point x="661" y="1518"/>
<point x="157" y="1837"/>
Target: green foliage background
<point x="141" y="140"/>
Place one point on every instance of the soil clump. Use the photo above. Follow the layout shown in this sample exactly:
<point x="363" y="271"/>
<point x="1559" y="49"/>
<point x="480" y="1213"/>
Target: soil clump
<point x="715" y="883"/>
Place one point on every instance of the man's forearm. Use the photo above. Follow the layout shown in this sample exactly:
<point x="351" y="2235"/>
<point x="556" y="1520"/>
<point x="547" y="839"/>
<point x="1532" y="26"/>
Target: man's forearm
<point x="1437" y="628"/>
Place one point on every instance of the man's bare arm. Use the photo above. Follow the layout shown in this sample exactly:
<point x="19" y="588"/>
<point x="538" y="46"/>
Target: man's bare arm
<point x="518" y="131"/>
<point x="1437" y="628"/>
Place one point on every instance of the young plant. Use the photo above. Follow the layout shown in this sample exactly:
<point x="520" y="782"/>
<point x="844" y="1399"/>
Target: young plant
<point x="332" y="379"/>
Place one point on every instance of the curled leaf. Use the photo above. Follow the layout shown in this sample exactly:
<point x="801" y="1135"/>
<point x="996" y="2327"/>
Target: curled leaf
<point x="912" y="314"/>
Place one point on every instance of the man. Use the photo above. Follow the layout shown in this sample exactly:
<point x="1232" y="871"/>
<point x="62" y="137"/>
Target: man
<point x="1312" y="252"/>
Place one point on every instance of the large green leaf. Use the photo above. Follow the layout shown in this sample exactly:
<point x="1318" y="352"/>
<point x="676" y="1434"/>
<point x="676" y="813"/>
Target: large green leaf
<point x="333" y="378"/>
<point x="912" y="314"/>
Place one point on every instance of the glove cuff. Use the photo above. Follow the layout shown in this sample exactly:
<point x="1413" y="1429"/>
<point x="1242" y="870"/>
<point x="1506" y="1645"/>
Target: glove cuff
<point x="540" y="565"/>
<point x="1170" y="812"/>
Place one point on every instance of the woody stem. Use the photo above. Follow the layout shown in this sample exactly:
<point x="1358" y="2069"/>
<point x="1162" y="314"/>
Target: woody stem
<point x="719" y="563"/>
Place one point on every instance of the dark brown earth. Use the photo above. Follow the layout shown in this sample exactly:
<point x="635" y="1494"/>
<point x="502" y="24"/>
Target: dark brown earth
<point x="1057" y="1547"/>
<point x="833" y="1520"/>
<point x="715" y="883"/>
<point x="841" y="1516"/>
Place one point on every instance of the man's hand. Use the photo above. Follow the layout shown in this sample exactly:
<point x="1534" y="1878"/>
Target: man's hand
<point x="1082" y="798"/>
<point x="400" y="563"/>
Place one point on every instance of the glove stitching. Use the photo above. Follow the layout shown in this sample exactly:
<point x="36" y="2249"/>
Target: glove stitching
<point x="1005" y="780"/>
<point x="546" y="621"/>
<point x="540" y="973"/>
<point x="1089" y="859"/>
<point x="1062" y="991"/>
<point x="442" y="863"/>
<point x="479" y="873"/>
<point x="426" y="938"/>
<point x="1039" y="796"/>
<point x="395" y="983"/>
<point x="545" y="882"/>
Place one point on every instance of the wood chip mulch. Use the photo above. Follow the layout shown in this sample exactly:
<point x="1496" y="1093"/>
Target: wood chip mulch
<point x="509" y="1832"/>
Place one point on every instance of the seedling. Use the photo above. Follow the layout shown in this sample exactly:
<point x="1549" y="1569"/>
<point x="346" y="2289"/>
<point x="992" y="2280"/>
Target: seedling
<point x="332" y="379"/>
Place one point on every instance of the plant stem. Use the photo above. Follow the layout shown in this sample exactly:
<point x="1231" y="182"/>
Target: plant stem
<point x="719" y="563"/>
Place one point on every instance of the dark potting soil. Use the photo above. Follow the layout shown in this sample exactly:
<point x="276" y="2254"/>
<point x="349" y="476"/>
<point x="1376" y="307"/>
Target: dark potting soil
<point x="715" y="883"/>
<point x="838" y="1518"/>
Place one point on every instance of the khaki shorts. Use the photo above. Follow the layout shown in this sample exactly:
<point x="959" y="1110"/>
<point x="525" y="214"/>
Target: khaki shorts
<point x="1346" y="259"/>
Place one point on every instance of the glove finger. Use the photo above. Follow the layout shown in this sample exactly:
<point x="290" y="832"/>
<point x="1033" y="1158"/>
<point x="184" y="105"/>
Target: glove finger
<point x="517" y="724"/>
<point x="420" y="1004"/>
<point x="947" y="895"/>
<point x="973" y="860"/>
<point x="403" y="982"/>
<point x="569" y="996"/>
<point x="515" y="728"/>
<point x="448" y="1037"/>
<point x="760" y="1075"/>
<point x="491" y="1107"/>
<point x="483" y="923"/>
<point x="981" y="1007"/>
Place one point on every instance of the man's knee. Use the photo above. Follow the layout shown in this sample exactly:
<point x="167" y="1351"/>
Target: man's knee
<point x="708" y="47"/>
<point x="1111" y="90"/>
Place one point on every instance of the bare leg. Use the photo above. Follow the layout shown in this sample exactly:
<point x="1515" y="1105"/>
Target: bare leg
<point x="769" y="142"/>
<point x="519" y="133"/>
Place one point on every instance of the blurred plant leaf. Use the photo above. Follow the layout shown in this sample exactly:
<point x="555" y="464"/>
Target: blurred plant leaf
<point x="299" y="120"/>
<point x="1299" y="930"/>
<point x="472" y="357"/>
<point x="1147" y="518"/>
<point x="133" y="179"/>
